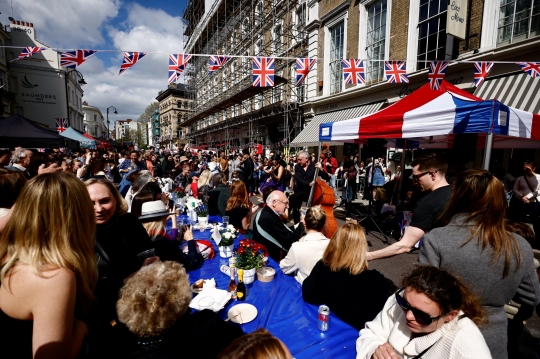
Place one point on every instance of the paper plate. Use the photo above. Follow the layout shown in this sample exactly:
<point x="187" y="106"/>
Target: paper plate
<point x="242" y="313"/>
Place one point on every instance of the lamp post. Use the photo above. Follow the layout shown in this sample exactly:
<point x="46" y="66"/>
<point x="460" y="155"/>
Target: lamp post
<point x="80" y="82"/>
<point x="108" y="129"/>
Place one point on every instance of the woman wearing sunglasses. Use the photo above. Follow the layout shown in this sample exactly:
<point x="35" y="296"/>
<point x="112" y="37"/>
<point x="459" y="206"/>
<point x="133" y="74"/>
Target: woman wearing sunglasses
<point x="434" y="316"/>
<point x="477" y="245"/>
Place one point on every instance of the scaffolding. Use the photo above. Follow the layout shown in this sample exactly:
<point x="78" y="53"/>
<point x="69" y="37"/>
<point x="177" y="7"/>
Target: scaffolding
<point x="228" y="109"/>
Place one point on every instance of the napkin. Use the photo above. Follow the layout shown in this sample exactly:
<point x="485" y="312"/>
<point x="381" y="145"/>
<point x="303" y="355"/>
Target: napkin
<point x="209" y="283"/>
<point x="216" y="236"/>
<point x="220" y="296"/>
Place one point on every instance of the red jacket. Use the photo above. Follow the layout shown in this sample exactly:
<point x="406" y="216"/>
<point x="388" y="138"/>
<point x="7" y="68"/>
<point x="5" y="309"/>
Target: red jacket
<point x="333" y="162"/>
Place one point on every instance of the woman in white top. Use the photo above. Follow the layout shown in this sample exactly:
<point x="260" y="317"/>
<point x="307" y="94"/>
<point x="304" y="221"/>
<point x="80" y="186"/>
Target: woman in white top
<point x="433" y="317"/>
<point x="304" y="254"/>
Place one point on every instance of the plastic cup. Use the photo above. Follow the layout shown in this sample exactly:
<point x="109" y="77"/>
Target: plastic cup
<point x="206" y="303"/>
<point x="146" y="254"/>
<point x="225" y="220"/>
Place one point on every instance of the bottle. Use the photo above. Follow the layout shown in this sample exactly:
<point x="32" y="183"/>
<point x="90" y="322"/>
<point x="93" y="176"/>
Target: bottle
<point x="193" y="214"/>
<point x="241" y="287"/>
<point x="232" y="285"/>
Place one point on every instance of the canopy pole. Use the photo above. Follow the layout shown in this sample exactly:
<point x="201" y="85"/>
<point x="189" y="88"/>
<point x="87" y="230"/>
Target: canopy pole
<point x="487" y="151"/>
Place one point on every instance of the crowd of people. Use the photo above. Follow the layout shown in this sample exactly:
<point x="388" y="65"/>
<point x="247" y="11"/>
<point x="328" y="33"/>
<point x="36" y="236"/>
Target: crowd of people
<point x="88" y="268"/>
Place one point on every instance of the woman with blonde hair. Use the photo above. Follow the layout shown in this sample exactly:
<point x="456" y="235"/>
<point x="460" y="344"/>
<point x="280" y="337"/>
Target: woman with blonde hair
<point x="304" y="254"/>
<point x="239" y="208"/>
<point x="48" y="269"/>
<point x="342" y="281"/>
<point x="204" y="184"/>
<point x="154" y="307"/>
<point x="475" y="243"/>
<point x="260" y="344"/>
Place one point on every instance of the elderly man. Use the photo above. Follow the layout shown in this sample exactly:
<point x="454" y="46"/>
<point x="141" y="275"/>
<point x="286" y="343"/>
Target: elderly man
<point x="21" y="160"/>
<point x="428" y="174"/>
<point x="304" y="175"/>
<point x="269" y="229"/>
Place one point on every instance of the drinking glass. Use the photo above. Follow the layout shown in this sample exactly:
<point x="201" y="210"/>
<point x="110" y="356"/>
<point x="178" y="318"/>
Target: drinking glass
<point x="225" y="220"/>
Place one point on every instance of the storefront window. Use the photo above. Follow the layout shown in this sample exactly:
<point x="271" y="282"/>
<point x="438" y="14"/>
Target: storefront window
<point x="337" y="38"/>
<point x="518" y="20"/>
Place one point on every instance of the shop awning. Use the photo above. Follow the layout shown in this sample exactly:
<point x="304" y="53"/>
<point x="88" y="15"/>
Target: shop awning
<point x="310" y="135"/>
<point x="517" y="90"/>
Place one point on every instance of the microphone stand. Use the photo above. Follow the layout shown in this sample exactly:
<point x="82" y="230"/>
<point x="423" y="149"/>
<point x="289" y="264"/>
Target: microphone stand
<point x="371" y="215"/>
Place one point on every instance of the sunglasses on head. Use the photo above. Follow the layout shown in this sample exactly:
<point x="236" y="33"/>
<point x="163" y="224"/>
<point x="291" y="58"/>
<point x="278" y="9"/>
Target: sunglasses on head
<point x="421" y="317"/>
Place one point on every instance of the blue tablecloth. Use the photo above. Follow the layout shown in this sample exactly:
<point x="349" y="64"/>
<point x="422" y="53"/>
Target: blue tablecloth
<point x="282" y="311"/>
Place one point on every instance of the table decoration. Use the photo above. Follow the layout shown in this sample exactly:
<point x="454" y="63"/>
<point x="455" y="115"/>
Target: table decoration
<point x="249" y="257"/>
<point x="226" y="242"/>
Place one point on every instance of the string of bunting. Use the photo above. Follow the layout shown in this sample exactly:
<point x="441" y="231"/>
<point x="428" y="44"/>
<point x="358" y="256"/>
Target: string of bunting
<point x="353" y="70"/>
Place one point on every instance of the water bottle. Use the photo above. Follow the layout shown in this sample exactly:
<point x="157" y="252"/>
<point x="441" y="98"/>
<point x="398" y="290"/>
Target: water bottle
<point x="192" y="213"/>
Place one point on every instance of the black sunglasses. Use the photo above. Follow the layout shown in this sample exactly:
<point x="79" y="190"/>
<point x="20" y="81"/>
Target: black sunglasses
<point x="421" y="317"/>
<point x="417" y="177"/>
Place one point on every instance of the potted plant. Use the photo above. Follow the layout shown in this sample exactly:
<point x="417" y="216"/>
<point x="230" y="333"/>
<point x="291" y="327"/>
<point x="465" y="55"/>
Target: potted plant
<point x="202" y="213"/>
<point x="250" y="256"/>
<point x="226" y="244"/>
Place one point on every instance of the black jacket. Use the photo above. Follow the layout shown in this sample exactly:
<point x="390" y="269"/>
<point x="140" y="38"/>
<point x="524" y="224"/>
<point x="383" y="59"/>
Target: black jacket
<point x="355" y="299"/>
<point x="273" y="225"/>
<point x="304" y="177"/>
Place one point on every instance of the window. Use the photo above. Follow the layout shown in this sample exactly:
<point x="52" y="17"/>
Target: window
<point x="301" y="16"/>
<point x="276" y="94"/>
<point x="259" y="47"/>
<point x="259" y="12"/>
<point x="376" y="38"/>
<point x="337" y="37"/>
<point x="95" y="118"/>
<point x="278" y="46"/>
<point x="518" y="20"/>
<point x="179" y="104"/>
<point x="431" y="32"/>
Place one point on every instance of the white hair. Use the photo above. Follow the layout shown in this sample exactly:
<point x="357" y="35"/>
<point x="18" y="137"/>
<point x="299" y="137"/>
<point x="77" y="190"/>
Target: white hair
<point x="273" y="196"/>
<point x="18" y="155"/>
<point x="304" y="154"/>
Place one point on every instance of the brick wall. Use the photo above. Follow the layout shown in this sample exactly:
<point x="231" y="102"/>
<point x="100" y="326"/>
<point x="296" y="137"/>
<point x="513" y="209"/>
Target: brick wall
<point x="353" y="32"/>
<point x="399" y="30"/>
<point x="476" y="13"/>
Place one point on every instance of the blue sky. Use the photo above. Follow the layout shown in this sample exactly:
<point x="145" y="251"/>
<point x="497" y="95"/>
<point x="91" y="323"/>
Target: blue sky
<point x="143" y="25"/>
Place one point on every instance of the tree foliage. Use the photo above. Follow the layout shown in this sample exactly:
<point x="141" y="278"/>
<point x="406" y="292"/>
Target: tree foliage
<point x="146" y="116"/>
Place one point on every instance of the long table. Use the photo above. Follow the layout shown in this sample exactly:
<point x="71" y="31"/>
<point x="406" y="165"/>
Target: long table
<point x="282" y="311"/>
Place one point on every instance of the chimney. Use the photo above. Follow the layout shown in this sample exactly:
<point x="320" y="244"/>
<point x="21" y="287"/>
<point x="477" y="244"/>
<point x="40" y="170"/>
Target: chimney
<point x="18" y="22"/>
<point x="31" y="24"/>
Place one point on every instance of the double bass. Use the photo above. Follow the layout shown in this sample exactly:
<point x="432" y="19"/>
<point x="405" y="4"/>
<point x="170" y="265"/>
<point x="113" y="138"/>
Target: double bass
<point x="323" y="195"/>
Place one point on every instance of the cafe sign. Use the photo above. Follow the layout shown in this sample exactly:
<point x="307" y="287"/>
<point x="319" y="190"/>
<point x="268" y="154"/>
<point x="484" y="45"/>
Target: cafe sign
<point x="456" y="18"/>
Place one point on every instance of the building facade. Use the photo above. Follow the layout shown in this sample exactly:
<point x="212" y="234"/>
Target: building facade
<point x="6" y="97"/>
<point x="42" y="90"/>
<point x="175" y="107"/>
<point x="94" y="123"/>
<point x="122" y="130"/>
<point x="228" y="110"/>
<point x="417" y="32"/>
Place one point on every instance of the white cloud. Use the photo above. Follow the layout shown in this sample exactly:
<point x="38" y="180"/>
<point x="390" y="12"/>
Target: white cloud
<point x="147" y="30"/>
<point x="95" y="24"/>
<point x="65" y="23"/>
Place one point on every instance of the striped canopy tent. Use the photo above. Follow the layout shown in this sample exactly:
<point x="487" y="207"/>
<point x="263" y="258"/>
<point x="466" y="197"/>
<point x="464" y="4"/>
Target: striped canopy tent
<point x="74" y="135"/>
<point x="429" y="117"/>
<point x="100" y="144"/>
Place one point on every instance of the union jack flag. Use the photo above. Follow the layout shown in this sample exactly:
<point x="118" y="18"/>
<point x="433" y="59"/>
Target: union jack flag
<point x="437" y="70"/>
<point x="263" y="71"/>
<point x="72" y="59"/>
<point x="303" y="67"/>
<point x="532" y="68"/>
<point x="216" y="62"/>
<point x="41" y="150"/>
<point x="130" y="59"/>
<point x="177" y="65"/>
<point x="29" y="51"/>
<point x="61" y="124"/>
<point x="353" y="71"/>
<point x="481" y="70"/>
<point x="395" y="72"/>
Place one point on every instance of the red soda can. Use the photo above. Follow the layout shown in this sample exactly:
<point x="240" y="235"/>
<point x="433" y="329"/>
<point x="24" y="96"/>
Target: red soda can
<point x="323" y="322"/>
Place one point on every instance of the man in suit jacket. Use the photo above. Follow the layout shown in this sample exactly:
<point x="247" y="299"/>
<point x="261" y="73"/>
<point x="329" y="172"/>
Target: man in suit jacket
<point x="269" y="229"/>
